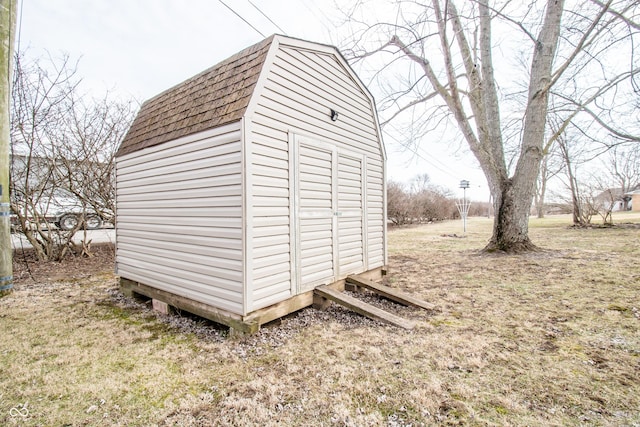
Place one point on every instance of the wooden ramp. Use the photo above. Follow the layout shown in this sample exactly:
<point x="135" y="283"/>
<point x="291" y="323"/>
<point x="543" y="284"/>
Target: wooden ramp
<point x="362" y="307"/>
<point x="389" y="293"/>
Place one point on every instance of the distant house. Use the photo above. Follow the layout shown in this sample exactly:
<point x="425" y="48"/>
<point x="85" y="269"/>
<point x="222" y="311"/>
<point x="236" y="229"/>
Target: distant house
<point x="614" y="200"/>
<point x="245" y="187"/>
<point x="634" y="200"/>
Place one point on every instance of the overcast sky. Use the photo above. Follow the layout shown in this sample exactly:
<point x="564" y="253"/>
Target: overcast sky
<point x="141" y="47"/>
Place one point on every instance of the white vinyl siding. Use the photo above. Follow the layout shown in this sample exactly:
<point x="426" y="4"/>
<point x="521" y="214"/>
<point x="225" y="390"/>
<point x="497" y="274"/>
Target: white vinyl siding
<point x="350" y="215"/>
<point x="270" y="219"/>
<point x="179" y="217"/>
<point x="315" y="216"/>
<point x="299" y="89"/>
<point x="376" y="226"/>
<point x="330" y="211"/>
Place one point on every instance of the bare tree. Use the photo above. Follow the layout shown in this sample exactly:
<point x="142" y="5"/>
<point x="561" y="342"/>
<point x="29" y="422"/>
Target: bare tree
<point x="623" y="165"/>
<point x="398" y="204"/>
<point x="550" y="166"/>
<point x="603" y="199"/>
<point x="85" y="147"/>
<point x="480" y="209"/>
<point x="418" y="202"/>
<point x="429" y="201"/>
<point x="62" y="146"/>
<point x="446" y="58"/>
<point x="38" y="97"/>
<point x="581" y="209"/>
<point x="605" y="191"/>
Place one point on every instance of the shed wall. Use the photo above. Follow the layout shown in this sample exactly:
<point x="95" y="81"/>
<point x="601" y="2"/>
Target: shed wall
<point x="300" y="88"/>
<point x="179" y="217"/>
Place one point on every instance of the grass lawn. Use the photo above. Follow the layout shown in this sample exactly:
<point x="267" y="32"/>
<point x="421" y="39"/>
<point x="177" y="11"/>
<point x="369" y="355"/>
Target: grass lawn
<point x="546" y="338"/>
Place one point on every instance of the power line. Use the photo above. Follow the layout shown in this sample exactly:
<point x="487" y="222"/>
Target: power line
<point x="415" y="151"/>
<point x="321" y="21"/>
<point x="240" y="16"/>
<point x="270" y="20"/>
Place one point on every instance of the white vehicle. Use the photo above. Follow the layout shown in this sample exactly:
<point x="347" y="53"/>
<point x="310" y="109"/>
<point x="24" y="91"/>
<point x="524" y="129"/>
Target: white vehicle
<point x="70" y="220"/>
<point x="65" y="213"/>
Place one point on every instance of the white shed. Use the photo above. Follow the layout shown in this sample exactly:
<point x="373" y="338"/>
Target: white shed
<point x="245" y="187"/>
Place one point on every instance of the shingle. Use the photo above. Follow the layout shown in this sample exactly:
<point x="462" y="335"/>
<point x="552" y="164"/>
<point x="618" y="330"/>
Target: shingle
<point x="187" y="107"/>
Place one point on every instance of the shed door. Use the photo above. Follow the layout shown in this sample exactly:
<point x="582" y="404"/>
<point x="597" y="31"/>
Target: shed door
<point x="329" y="209"/>
<point x="349" y="214"/>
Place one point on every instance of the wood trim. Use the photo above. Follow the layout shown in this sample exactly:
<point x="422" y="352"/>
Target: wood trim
<point x="294" y="224"/>
<point x="384" y="214"/>
<point x="258" y="88"/>
<point x="247" y="214"/>
<point x="365" y="212"/>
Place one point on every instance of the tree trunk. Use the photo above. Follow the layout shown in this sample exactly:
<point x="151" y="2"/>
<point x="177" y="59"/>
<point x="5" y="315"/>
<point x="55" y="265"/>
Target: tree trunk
<point x="511" y="221"/>
<point x="541" y="186"/>
<point x="514" y="195"/>
<point x="539" y="198"/>
<point x="578" y="215"/>
<point x="625" y="203"/>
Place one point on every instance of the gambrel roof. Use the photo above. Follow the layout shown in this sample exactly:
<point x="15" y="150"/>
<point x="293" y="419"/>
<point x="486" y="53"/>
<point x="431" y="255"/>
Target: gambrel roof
<point x="217" y="96"/>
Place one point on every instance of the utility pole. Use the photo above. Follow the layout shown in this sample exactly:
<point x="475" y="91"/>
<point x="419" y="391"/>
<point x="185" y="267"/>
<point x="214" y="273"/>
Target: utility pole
<point x="7" y="39"/>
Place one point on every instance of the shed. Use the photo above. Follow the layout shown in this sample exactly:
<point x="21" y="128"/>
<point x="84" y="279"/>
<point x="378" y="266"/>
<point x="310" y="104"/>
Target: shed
<point x="246" y="186"/>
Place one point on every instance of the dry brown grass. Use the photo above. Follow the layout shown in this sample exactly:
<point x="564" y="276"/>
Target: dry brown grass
<point x="548" y="338"/>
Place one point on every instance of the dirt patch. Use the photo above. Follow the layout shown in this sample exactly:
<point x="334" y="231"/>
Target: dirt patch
<point x="28" y="270"/>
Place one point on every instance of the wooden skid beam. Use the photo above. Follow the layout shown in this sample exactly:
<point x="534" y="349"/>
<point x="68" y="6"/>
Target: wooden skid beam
<point x="280" y="309"/>
<point x="249" y="323"/>
<point x="234" y="321"/>
<point x="238" y="324"/>
<point x="390" y="293"/>
<point x="362" y="307"/>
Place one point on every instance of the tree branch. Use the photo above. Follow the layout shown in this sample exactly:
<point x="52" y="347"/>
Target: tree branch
<point x="579" y="47"/>
<point x="582" y="106"/>
<point x="618" y="15"/>
<point x="409" y="105"/>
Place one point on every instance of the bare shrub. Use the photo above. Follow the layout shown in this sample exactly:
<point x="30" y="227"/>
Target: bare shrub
<point x="62" y="149"/>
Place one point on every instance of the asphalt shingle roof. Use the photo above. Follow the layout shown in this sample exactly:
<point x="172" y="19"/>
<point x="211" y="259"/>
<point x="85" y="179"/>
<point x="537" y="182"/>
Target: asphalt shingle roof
<point x="215" y="97"/>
